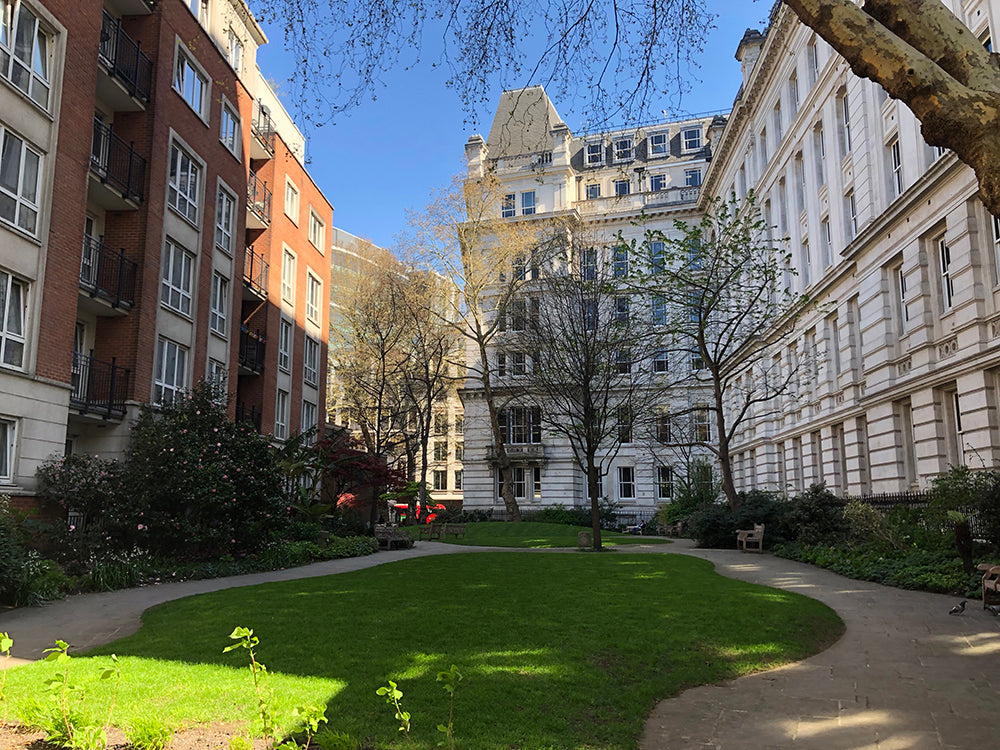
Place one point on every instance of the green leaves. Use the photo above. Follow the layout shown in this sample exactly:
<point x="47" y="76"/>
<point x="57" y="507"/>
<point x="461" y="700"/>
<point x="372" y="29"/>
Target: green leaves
<point x="392" y="694"/>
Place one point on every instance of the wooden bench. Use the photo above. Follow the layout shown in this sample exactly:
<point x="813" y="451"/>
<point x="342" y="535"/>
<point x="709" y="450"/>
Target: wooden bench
<point x="750" y="538"/>
<point x="455" y="529"/>
<point x="675" y="529"/>
<point x="991" y="583"/>
<point x="430" y="531"/>
<point x="393" y="537"/>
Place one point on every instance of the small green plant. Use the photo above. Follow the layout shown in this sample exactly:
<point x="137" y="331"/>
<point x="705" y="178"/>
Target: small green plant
<point x="149" y="734"/>
<point x="245" y="638"/>
<point x="239" y="742"/>
<point x="6" y="643"/>
<point x="449" y="680"/>
<point x="392" y="695"/>
<point x="328" y="739"/>
<point x="69" y="726"/>
<point x="310" y="717"/>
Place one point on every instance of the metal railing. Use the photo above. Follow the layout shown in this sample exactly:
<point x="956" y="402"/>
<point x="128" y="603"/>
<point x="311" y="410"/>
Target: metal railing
<point x="255" y="272"/>
<point x="259" y="198"/>
<point x="251" y="355"/>
<point x="262" y="126"/>
<point x="107" y="273"/>
<point x="884" y="501"/>
<point x="124" y="57"/>
<point x="98" y="387"/>
<point x="117" y="163"/>
<point x="249" y="414"/>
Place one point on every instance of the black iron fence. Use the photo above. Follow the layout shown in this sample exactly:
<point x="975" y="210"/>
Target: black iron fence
<point x="249" y="414"/>
<point x="884" y="501"/>
<point x="124" y="57"/>
<point x="117" y="163"/>
<point x="262" y="126"/>
<point x="98" y="387"/>
<point x="259" y="198"/>
<point x="107" y="273"/>
<point x="255" y="272"/>
<point x="251" y="354"/>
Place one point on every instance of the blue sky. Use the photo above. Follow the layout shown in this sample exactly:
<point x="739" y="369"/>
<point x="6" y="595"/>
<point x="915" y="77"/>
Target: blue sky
<point x="386" y="156"/>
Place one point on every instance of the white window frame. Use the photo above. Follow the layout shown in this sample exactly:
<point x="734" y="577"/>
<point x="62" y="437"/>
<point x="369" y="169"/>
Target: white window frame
<point x="310" y="361"/>
<point x="947" y="282"/>
<point x="658" y="310"/>
<point x="225" y="221"/>
<point x="440" y="477"/>
<point x="285" y="344"/>
<point x="292" y="201"/>
<point x="8" y="445"/>
<point x="657" y="182"/>
<point x="309" y="417"/>
<point x="22" y="197"/>
<point x="458" y="479"/>
<point x="508" y="206"/>
<point x="190" y="81"/>
<point x="317" y="229"/>
<point x="176" y="282"/>
<point x="30" y="76"/>
<point x="281" y="414"/>
<point x="593" y="154"/>
<point x="13" y="319"/>
<point x="231" y="129"/>
<point x="183" y="183"/>
<point x="624" y="149"/>
<point x="661" y="360"/>
<point x="895" y="167"/>
<point x="218" y="372"/>
<point x="219" y="304"/>
<point x="701" y="425"/>
<point x="528" y="202"/>
<point x="234" y="51"/>
<point x="691" y="139"/>
<point x="169" y="383"/>
<point x="659" y="144"/>
<point x="851" y="214"/>
<point x="622" y="188"/>
<point x="626" y="483"/>
<point x="664" y="482"/>
<point x="314" y="296"/>
<point x="692" y="178"/>
<point x="592" y="191"/>
<point x="288" y="272"/>
<point x="826" y="239"/>
<point x="844" y="111"/>
<point x="900" y="284"/>
<point x="440" y="450"/>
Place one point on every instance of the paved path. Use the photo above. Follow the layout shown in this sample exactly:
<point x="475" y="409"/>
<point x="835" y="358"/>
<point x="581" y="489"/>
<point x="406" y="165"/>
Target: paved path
<point x="905" y="674"/>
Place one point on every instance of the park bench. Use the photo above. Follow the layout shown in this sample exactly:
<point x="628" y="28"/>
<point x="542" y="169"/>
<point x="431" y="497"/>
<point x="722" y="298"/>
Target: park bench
<point x="393" y="537"/>
<point x="674" y="529"/>
<point x="430" y="531"/>
<point x="991" y="583"/>
<point x="750" y="538"/>
<point x="455" y="529"/>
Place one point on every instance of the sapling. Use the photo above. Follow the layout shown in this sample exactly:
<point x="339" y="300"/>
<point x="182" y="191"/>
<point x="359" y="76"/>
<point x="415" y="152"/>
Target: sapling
<point x="6" y="642"/>
<point x="392" y="695"/>
<point x="449" y="679"/>
<point x="245" y="638"/>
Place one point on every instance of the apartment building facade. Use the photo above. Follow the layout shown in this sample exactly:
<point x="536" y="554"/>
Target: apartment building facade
<point x="899" y="359"/>
<point x="130" y="185"/>
<point x="601" y="184"/>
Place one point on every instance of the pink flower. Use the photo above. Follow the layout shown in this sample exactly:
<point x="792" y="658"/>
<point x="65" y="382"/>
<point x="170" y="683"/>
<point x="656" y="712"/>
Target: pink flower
<point x="72" y="528"/>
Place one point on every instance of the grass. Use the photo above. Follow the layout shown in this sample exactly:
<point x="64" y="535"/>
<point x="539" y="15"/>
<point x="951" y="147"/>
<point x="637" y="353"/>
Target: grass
<point x="558" y="651"/>
<point x="537" y="535"/>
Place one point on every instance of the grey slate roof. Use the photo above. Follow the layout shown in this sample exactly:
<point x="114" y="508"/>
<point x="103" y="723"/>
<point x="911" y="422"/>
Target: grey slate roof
<point x="522" y="123"/>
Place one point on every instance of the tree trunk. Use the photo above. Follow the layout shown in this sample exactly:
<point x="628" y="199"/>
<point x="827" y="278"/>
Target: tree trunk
<point x="725" y="464"/>
<point x="595" y="507"/>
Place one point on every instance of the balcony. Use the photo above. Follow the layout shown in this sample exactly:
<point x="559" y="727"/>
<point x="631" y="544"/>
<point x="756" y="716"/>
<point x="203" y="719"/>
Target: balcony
<point x="255" y="271"/>
<point x="98" y="387"/>
<point x="127" y="73"/>
<point x="249" y="414"/>
<point x="251" y="357"/>
<point x="117" y="171"/>
<point x="262" y="127"/>
<point x="259" y="203"/>
<point x="107" y="274"/>
<point x="674" y="196"/>
<point x="520" y="453"/>
<point x="132" y="7"/>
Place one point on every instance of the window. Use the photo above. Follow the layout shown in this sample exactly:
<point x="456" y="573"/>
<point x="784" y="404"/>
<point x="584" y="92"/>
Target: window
<point x="691" y="138"/>
<point x="281" y="412"/>
<point x="458" y="479"/>
<point x="170" y="378"/>
<point x="527" y="202"/>
<point x="702" y="432"/>
<point x="623" y="362"/>
<point x="182" y="189"/>
<point x="658" y="310"/>
<point x="518" y="363"/>
<point x="621" y="310"/>
<point x="288" y="277"/>
<point x="692" y="177"/>
<point x="697" y="363"/>
<point x="314" y="288"/>
<point x="509" y="208"/>
<point x="895" y="168"/>
<point x="658" y="182"/>
<point x="292" y="202"/>
<point x="812" y="61"/>
<point x="440" y="450"/>
<point x="626" y="482"/>
<point x="440" y="424"/>
<point x="624" y="421"/>
<point x="658" y="257"/>
<point x="622" y="187"/>
<point x="826" y="238"/>
<point x="218" y="373"/>
<point x="521" y="424"/>
<point x="844" y="112"/>
<point x="663" y="427"/>
<point x="189" y="82"/>
<point x="661" y="361"/>
<point x="594" y="154"/>
<point x="593" y="190"/>
<point x="225" y="221"/>
<point x="664" y="482"/>
<point x="7" y="443"/>
<point x="219" y="303"/>
<point x="25" y="51"/>
<point x="234" y="51"/>
<point x="777" y="122"/>
<point x="310" y="362"/>
<point x="850" y="215"/>
<point x="659" y="144"/>
<point x="317" y="230"/>
<point x="819" y="153"/>
<point x="19" y="166"/>
<point x="459" y="424"/>
<point x="800" y="182"/>
<point x="590" y="315"/>
<point x="899" y="280"/>
<point x="947" y="283"/>
<point x="440" y="480"/>
<point x="588" y="264"/>
<point x="501" y="364"/>
<point x="996" y="249"/>
<point x="793" y="92"/>
<point x="175" y="283"/>
<point x="13" y="306"/>
<point x="763" y="149"/>
<point x="459" y="451"/>
<point x="518" y="315"/>
<point x="310" y="416"/>
<point x="285" y="345"/>
<point x="623" y="149"/>
<point x="619" y="260"/>
<point x="230" y="130"/>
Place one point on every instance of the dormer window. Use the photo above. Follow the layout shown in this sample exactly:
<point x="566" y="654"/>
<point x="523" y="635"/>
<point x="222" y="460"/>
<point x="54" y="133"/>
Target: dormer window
<point x="595" y="154"/>
<point x="659" y="144"/>
<point x="691" y="138"/>
<point x="623" y="149"/>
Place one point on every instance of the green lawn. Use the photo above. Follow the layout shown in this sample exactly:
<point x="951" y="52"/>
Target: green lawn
<point x="557" y="651"/>
<point x="536" y="534"/>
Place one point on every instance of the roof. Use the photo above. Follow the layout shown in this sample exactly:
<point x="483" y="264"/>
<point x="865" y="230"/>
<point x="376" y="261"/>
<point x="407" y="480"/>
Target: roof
<point x="522" y="123"/>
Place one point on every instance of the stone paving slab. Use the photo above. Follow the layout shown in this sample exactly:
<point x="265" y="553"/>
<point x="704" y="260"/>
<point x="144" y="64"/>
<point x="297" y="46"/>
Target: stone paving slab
<point x="905" y="675"/>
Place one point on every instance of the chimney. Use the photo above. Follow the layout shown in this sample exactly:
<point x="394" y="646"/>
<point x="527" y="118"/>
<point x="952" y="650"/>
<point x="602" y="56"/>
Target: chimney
<point x="748" y="51"/>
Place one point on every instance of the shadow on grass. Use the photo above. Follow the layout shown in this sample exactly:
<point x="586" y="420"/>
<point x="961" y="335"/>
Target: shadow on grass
<point x="557" y="651"/>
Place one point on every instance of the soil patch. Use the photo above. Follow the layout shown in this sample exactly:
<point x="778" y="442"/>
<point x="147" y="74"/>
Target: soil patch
<point x="203" y="737"/>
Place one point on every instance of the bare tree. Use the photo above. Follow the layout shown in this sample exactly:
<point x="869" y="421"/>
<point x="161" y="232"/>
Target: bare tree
<point x="583" y="349"/>
<point x="723" y="291"/>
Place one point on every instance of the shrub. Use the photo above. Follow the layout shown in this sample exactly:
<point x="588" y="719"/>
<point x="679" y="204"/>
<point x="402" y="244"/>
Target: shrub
<point x="86" y="484"/>
<point x="351" y="546"/>
<point x="715" y="525"/>
<point x="814" y="517"/>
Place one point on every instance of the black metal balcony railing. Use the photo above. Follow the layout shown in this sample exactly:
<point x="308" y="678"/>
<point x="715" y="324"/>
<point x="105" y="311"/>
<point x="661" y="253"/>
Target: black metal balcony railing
<point x="249" y="414"/>
<point x="262" y="126"/>
<point x="98" y="387"/>
<point x="124" y="57"/>
<point x="251" y="350"/>
<point x="117" y="163"/>
<point x="107" y="273"/>
<point x="255" y="271"/>
<point x="259" y="198"/>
